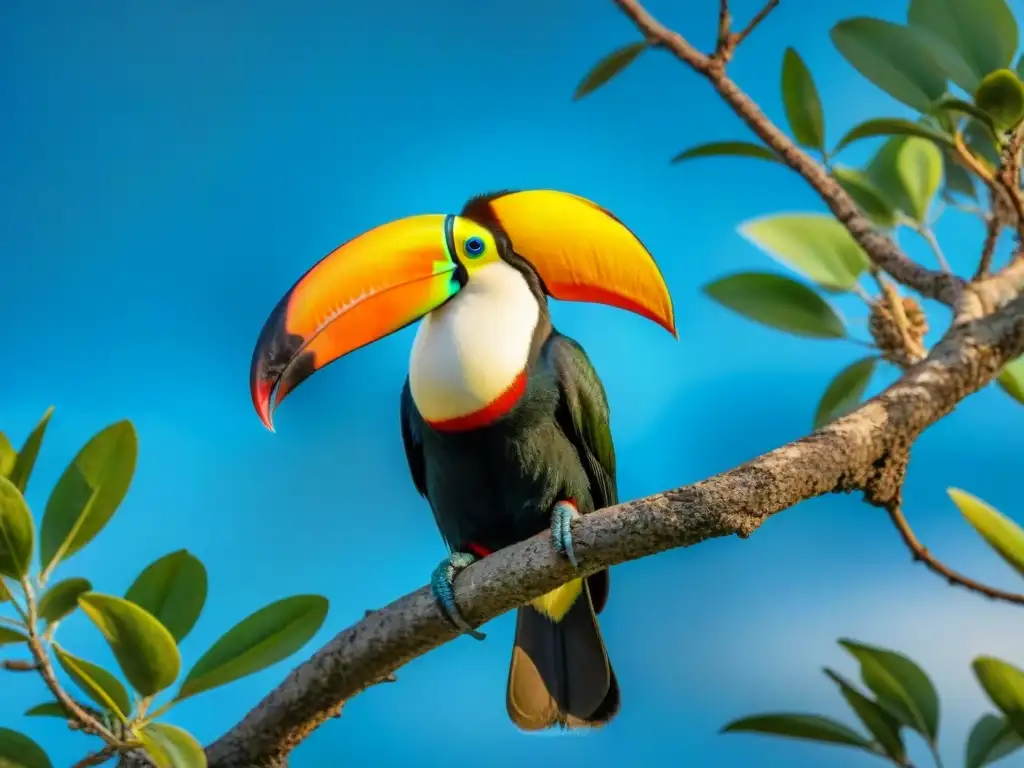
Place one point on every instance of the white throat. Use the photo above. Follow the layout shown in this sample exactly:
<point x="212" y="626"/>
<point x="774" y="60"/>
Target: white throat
<point x="471" y="350"/>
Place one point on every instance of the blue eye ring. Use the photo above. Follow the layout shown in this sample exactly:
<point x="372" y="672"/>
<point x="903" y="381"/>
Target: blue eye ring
<point x="475" y="246"/>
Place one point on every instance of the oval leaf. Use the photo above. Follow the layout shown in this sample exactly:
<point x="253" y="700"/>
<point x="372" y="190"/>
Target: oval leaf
<point x="778" y="302"/>
<point x="727" y="148"/>
<point x="1004" y="685"/>
<point x="171" y="747"/>
<point x="893" y="126"/>
<point x="879" y="722"/>
<point x="98" y="684"/>
<point x="953" y="106"/>
<point x="991" y="739"/>
<point x="1000" y="532"/>
<point x="868" y="198"/>
<point x="88" y="493"/>
<point x="1001" y="95"/>
<point x="845" y="391"/>
<point x="884" y="173"/>
<point x="799" y="726"/>
<point x="17" y="531"/>
<point x="263" y="638"/>
<point x="7" y="456"/>
<point x="958" y="179"/>
<point x="900" y="685"/>
<point x="1011" y="379"/>
<point x="920" y="167"/>
<point x="25" y="462"/>
<point x="802" y="103"/>
<point x="19" y="751"/>
<point x="982" y="143"/>
<point x="173" y="589"/>
<point x="814" y="244"/>
<point x="62" y="598"/>
<point x="893" y="57"/>
<point x="969" y="40"/>
<point x="145" y="650"/>
<point x="48" y="709"/>
<point x="608" y="67"/>
<point x="10" y="635"/>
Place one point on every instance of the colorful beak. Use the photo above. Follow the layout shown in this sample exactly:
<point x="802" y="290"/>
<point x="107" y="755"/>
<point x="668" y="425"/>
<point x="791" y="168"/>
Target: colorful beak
<point x="580" y="250"/>
<point x="366" y="289"/>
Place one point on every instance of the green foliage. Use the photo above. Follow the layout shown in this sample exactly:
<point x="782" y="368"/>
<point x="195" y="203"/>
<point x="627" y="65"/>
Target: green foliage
<point x="88" y="493"/>
<point x="868" y="197"/>
<point x="261" y="639"/>
<point x="1001" y="95"/>
<point x="1004" y="685"/>
<point x="173" y="589"/>
<point x="48" y="709"/>
<point x="19" y="751"/>
<point x="919" y="165"/>
<point x="845" y="391"/>
<point x="7" y="456"/>
<point x="883" y="726"/>
<point x="25" y="461"/>
<point x="991" y="739"/>
<point x="9" y="636"/>
<point x="171" y="747"/>
<point x="145" y="650"/>
<point x="802" y="103"/>
<point x="17" y="531"/>
<point x="799" y="726"/>
<point x="727" y="149"/>
<point x="609" y="67"/>
<point x="62" y="598"/>
<point x="813" y="244"/>
<point x="893" y="126"/>
<point x="778" y="302"/>
<point x="1011" y="379"/>
<point x="97" y="683"/>
<point x="1000" y="532"/>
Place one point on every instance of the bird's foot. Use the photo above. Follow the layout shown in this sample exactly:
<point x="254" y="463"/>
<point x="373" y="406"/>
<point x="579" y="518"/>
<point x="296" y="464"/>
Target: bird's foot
<point x="561" y="532"/>
<point x="442" y="584"/>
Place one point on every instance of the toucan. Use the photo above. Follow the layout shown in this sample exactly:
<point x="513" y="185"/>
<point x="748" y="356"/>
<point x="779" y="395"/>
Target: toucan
<point x="504" y="420"/>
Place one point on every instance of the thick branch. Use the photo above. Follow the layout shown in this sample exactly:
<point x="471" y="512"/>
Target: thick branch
<point x="866" y="450"/>
<point x="933" y="284"/>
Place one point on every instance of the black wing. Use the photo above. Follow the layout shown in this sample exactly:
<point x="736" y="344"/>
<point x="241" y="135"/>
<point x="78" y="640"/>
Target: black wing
<point x="583" y="416"/>
<point x="412" y="441"/>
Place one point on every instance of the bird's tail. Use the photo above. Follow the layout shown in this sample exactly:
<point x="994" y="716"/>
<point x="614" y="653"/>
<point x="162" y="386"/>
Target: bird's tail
<point x="560" y="672"/>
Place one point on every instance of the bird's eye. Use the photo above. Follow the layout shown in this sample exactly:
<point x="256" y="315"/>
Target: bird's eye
<point x="474" y="246"/>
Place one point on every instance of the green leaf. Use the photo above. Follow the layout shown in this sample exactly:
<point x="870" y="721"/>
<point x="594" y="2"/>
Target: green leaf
<point x="145" y="650"/>
<point x="967" y="39"/>
<point x="952" y="105"/>
<point x="893" y="126"/>
<point x="1004" y="685"/>
<point x="270" y="634"/>
<point x="96" y="682"/>
<point x="173" y="589"/>
<point x="845" y="391"/>
<point x="10" y="635"/>
<point x="869" y="199"/>
<point x="26" y="459"/>
<point x="88" y="493"/>
<point x="1001" y="533"/>
<point x="1011" y="379"/>
<point x="19" y="751"/>
<point x="171" y="747"/>
<point x="5" y="593"/>
<point x="727" y="148"/>
<point x="814" y="244"/>
<point x="884" y="173"/>
<point x="991" y="739"/>
<point x="958" y="179"/>
<point x="608" y="67"/>
<point x="920" y="167"/>
<point x="893" y="57"/>
<point x="62" y="598"/>
<point x="877" y="720"/>
<point x="1001" y="95"/>
<point x="17" y="531"/>
<point x="979" y="138"/>
<point x="1019" y="69"/>
<point x="802" y="103"/>
<point x="778" y="302"/>
<point x="900" y="685"/>
<point x="799" y="726"/>
<point x="48" y="709"/>
<point x="7" y="456"/>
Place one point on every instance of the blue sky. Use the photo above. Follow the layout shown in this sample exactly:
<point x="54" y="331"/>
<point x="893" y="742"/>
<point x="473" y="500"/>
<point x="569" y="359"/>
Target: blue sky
<point x="170" y="168"/>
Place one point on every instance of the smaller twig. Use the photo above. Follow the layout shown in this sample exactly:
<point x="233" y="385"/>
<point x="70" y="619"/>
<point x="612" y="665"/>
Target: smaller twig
<point x="724" y="26"/>
<point x="18" y="665"/>
<point x="921" y="553"/>
<point x="933" y="243"/>
<point x="760" y="16"/>
<point x="992" y="227"/>
<point x="96" y="758"/>
<point x="728" y="40"/>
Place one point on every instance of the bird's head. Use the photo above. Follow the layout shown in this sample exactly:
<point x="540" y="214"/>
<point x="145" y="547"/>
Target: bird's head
<point x="397" y="273"/>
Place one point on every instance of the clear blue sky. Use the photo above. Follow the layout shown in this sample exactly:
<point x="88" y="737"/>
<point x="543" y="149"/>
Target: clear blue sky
<point x="169" y="168"/>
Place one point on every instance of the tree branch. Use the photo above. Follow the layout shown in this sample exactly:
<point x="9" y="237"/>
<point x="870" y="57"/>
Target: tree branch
<point x="934" y="284"/>
<point x="866" y="450"/>
<point x="921" y="553"/>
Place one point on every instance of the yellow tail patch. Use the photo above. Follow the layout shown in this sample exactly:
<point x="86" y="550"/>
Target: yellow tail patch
<point x="556" y="603"/>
